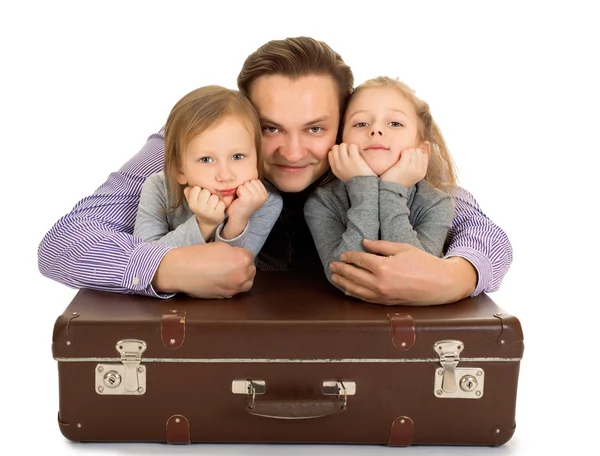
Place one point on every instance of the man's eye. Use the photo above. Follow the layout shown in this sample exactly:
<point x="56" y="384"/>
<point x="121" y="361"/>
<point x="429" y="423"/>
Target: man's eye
<point x="395" y="124"/>
<point x="269" y="129"/>
<point x="361" y="124"/>
<point x="315" y="129"/>
<point x="205" y="160"/>
<point x="238" y="156"/>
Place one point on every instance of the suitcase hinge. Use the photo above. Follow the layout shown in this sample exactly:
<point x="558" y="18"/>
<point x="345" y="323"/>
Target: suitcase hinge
<point x="129" y="377"/>
<point x="446" y="385"/>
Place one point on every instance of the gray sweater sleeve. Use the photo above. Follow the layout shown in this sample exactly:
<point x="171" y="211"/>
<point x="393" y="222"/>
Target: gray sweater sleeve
<point x="432" y="214"/>
<point x="340" y="217"/>
<point x="259" y="226"/>
<point x="152" y="223"/>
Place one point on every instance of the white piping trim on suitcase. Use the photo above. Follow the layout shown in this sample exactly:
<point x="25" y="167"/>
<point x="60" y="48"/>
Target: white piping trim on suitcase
<point x="284" y="360"/>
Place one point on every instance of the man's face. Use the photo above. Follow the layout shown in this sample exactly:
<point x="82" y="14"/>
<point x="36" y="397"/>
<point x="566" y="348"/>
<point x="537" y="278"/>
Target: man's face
<point x="221" y="159"/>
<point x="299" y="119"/>
<point x="383" y="123"/>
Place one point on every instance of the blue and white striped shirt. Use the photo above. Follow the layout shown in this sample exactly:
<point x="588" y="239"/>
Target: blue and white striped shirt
<point x="93" y="247"/>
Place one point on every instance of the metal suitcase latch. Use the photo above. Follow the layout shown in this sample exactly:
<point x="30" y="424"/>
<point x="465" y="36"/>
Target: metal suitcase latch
<point x="452" y="381"/>
<point x="129" y="377"/>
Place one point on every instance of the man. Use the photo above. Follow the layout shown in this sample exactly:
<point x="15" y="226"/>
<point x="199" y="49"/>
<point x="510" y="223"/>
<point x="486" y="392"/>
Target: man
<point x="299" y="87"/>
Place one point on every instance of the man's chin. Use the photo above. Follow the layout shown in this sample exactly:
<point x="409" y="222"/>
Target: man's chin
<point x="293" y="182"/>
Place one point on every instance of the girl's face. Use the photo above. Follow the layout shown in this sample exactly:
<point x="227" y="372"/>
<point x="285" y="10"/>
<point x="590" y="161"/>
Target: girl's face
<point x="221" y="159"/>
<point x="383" y="123"/>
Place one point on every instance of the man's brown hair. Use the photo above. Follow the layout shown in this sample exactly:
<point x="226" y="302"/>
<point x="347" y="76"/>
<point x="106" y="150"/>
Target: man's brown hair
<point x="294" y="58"/>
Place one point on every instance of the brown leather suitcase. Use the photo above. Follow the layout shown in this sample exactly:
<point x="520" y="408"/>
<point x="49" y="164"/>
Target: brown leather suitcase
<point x="292" y="361"/>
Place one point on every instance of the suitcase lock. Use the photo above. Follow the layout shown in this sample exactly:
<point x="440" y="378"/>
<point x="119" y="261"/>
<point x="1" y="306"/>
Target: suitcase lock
<point x="129" y="377"/>
<point x="446" y="385"/>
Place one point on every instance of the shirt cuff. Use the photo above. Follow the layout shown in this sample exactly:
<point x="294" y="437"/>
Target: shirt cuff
<point x="481" y="264"/>
<point x="142" y="266"/>
<point x="234" y="240"/>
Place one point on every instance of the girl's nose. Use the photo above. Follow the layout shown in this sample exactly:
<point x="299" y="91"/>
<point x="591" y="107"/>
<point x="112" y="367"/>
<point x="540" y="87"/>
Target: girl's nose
<point x="224" y="175"/>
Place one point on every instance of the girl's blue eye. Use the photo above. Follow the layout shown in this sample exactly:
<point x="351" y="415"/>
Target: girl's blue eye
<point x="238" y="156"/>
<point x="205" y="160"/>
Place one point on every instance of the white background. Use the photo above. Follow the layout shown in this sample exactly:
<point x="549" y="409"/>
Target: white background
<point x="513" y="85"/>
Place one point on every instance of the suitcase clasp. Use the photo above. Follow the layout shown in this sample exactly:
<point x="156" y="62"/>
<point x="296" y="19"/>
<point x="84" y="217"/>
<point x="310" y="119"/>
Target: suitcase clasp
<point x="125" y="378"/>
<point x="470" y="385"/>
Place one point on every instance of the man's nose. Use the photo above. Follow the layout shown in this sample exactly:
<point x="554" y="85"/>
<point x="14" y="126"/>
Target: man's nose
<point x="292" y="149"/>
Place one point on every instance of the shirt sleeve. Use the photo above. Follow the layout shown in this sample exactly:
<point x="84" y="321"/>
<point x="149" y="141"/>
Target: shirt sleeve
<point x="93" y="245"/>
<point x="432" y="215"/>
<point x="326" y="219"/>
<point x="480" y="241"/>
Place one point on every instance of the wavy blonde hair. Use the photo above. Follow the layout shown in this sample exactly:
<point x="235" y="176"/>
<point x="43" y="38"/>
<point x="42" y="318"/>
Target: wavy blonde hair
<point x="441" y="172"/>
<point x="195" y="113"/>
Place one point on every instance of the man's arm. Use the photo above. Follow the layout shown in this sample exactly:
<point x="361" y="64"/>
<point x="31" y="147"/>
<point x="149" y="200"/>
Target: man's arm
<point x="478" y="256"/>
<point x="331" y="233"/>
<point x="93" y="247"/>
<point x="475" y="238"/>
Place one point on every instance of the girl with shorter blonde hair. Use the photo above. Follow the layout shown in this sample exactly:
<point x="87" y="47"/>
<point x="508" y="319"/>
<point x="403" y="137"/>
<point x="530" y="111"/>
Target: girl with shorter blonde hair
<point x="395" y="176"/>
<point x="210" y="188"/>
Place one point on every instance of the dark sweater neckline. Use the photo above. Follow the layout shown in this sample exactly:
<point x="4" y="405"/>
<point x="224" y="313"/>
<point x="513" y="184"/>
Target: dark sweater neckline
<point x="296" y="200"/>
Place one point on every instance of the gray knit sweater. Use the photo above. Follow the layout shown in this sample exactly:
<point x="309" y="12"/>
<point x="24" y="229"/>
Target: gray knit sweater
<point x="340" y="216"/>
<point x="179" y="227"/>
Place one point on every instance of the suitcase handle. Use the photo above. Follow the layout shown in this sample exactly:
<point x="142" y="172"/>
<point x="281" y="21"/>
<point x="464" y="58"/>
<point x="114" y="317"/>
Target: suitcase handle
<point x="296" y="409"/>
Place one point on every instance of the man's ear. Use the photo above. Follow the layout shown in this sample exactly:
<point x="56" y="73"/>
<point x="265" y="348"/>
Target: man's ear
<point x="426" y="147"/>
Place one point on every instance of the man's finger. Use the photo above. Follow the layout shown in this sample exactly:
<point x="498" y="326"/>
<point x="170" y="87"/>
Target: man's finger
<point x="384" y="248"/>
<point x="364" y="260"/>
<point x="356" y="275"/>
<point x="354" y="290"/>
<point x="369" y="297"/>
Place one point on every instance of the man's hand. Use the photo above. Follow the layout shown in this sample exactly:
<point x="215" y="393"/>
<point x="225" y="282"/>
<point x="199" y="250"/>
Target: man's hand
<point x="346" y="162"/>
<point x="251" y="196"/>
<point x="400" y="274"/>
<point x="409" y="169"/>
<point x="215" y="270"/>
<point x="208" y="208"/>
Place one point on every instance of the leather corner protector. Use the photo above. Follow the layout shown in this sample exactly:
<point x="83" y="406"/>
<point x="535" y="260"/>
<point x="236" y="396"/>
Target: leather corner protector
<point x="403" y="331"/>
<point x="402" y="432"/>
<point x="510" y="330"/>
<point x="69" y="430"/>
<point x="72" y="316"/>
<point x="178" y="430"/>
<point x="172" y="329"/>
<point x="501" y="435"/>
